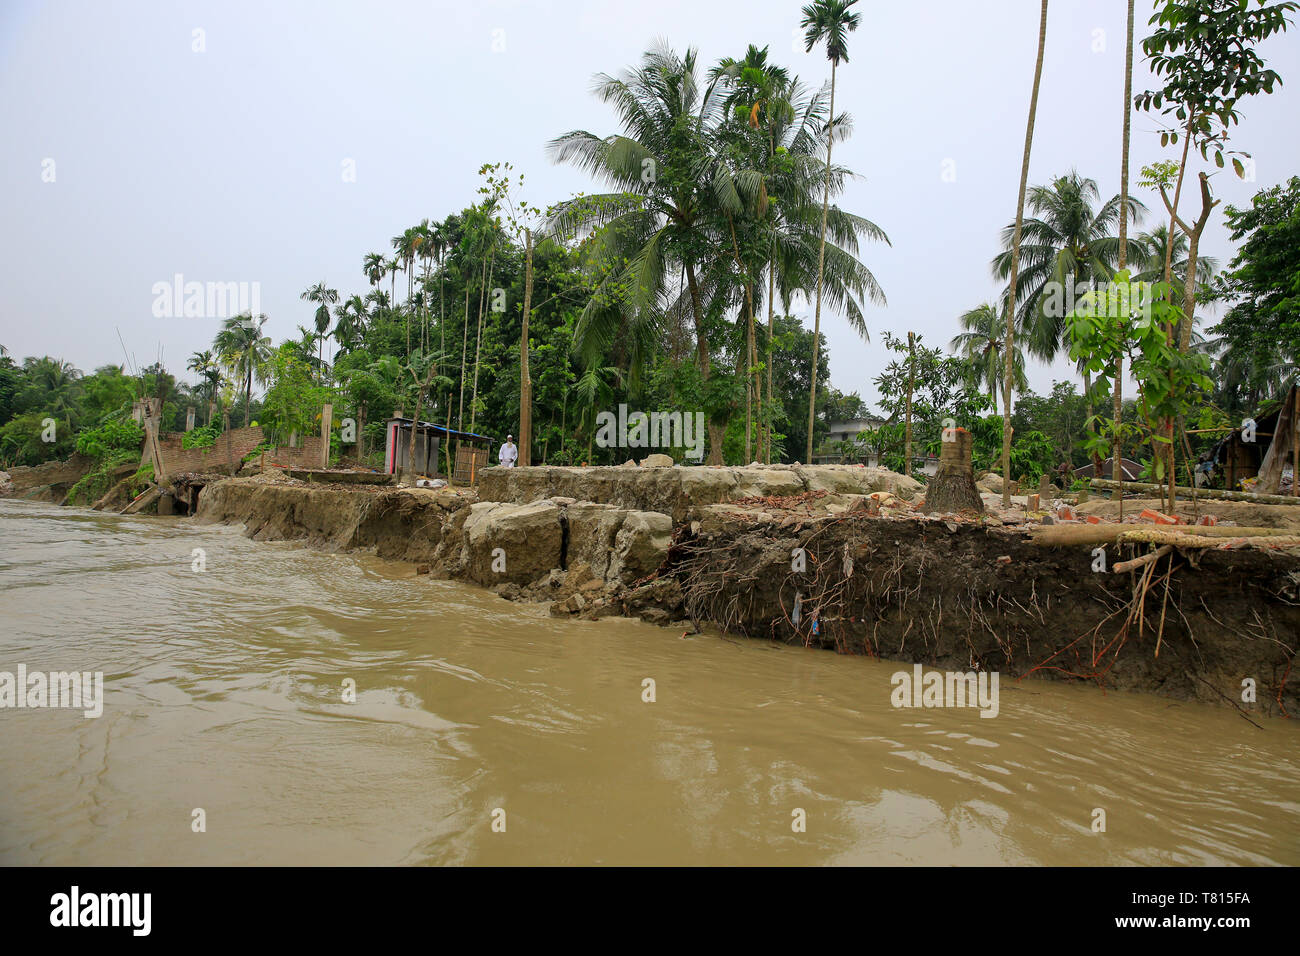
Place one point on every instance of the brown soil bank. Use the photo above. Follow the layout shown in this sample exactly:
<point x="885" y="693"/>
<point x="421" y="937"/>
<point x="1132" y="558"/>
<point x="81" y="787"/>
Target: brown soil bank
<point x="960" y="596"/>
<point x="873" y="576"/>
<point x="400" y="524"/>
<point x="49" y="481"/>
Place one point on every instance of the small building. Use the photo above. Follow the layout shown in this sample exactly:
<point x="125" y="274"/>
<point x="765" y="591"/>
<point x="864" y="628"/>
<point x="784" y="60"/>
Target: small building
<point x="472" y="451"/>
<point x="1129" y="469"/>
<point x="852" y="430"/>
<point x="1264" y="451"/>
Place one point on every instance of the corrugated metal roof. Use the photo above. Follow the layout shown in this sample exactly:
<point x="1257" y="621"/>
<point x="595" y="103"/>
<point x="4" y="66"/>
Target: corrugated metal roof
<point x="434" y="426"/>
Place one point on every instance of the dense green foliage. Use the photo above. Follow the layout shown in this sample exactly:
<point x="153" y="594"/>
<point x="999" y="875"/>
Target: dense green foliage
<point x="1260" y="332"/>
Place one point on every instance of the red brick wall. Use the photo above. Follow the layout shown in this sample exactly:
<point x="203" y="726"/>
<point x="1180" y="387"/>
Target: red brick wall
<point x="211" y="459"/>
<point x="217" y="458"/>
<point x="308" y="456"/>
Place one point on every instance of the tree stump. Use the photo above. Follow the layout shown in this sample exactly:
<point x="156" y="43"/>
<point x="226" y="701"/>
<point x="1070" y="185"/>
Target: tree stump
<point x="953" y="486"/>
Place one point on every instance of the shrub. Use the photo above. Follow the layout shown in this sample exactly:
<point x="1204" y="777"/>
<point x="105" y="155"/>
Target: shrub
<point x="104" y="440"/>
<point x="204" y="437"/>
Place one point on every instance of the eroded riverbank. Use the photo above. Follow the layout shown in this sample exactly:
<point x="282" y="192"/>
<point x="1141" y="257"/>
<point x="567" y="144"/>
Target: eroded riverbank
<point x="830" y="558"/>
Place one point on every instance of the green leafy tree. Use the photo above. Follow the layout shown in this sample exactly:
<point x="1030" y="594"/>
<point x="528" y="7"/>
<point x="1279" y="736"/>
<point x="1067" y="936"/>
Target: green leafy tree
<point x="1122" y="318"/>
<point x="1260" y="332"/>
<point x="1205" y="52"/>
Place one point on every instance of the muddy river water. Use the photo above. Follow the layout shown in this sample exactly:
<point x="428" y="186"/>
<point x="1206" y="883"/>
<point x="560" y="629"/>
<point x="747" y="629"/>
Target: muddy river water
<point x="486" y="732"/>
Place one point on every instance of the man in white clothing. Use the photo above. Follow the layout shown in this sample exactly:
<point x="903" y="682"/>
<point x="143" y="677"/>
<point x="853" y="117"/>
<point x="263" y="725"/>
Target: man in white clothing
<point x="509" y="453"/>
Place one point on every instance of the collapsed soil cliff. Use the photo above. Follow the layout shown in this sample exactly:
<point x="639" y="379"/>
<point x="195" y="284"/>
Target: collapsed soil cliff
<point x="779" y="554"/>
<point x="962" y="596"/>
<point x="50" y="481"/>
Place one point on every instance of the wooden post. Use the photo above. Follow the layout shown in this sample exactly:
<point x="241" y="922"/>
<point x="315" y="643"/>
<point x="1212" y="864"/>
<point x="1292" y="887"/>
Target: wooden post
<point x="1295" y="442"/>
<point x="326" y="421"/>
<point x="911" y="378"/>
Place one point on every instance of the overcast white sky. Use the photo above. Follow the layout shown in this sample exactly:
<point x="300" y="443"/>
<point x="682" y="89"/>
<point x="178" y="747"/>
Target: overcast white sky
<point x="226" y="164"/>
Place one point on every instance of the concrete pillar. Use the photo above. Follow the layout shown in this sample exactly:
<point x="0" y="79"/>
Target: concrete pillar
<point x="189" y="419"/>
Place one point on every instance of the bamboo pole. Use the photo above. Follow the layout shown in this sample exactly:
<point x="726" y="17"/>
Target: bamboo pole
<point x="1060" y="535"/>
<point x="1245" y="538"/>
<point x="1215" y="493"/>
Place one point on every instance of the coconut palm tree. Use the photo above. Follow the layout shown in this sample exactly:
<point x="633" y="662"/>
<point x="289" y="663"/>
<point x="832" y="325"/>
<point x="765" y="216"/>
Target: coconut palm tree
<point x="798" y="248"/>
<point x="1066" y="239"/>
<point x="1066" y="245"/>
<point x="244" y="351"/>
<point x="660" y="220"/>
<point x="58" y="382"/>
<point x="982" y="344"/>
<point x="829" y="22"/>
<point x="1149" y="263"/>
<point x="209" y="371"/>
<point x="774" y="135"/>
<point x="1246" y="376"/>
